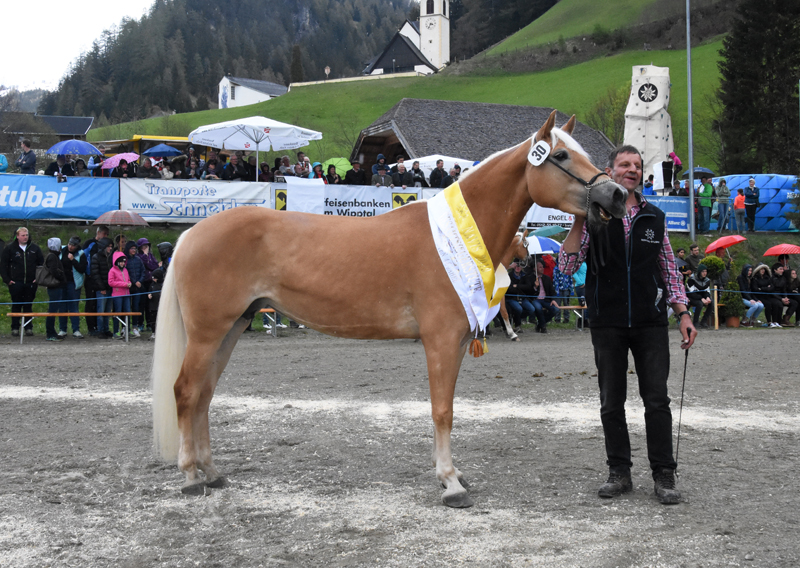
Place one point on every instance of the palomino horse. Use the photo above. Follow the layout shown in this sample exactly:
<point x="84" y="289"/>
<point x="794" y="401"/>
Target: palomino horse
<point x="519" y="250"/>
<point x="231" y="265"/>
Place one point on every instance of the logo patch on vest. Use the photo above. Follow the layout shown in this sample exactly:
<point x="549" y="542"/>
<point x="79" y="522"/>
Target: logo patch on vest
<point x="649" y="237"/>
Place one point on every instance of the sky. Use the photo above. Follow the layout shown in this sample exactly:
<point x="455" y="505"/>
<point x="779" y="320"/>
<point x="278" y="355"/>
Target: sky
<point x="42" y="37"/>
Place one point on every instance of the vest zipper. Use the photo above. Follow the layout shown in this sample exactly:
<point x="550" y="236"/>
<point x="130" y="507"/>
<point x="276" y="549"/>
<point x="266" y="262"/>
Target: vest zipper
<point x="629" y="256"/>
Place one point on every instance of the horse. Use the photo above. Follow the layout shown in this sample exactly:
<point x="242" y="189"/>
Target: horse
<point x="519" y="250"/>
<point x="373" y="278"/>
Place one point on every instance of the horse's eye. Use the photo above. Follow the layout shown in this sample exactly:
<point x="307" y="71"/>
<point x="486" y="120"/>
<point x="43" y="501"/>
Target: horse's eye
<point x="561" y="155"/>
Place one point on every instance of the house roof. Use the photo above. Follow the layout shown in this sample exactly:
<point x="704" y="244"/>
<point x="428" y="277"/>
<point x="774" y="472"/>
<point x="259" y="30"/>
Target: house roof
<point x="401" y="49"/>
<point x="45" y="124"/>
<point x="266" y="87"/>
<point x="469" y="130"/>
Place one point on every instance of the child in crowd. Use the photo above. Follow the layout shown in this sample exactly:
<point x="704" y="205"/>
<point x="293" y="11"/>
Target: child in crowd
<point x="120" y="284"/>
<point x="153" y="298"/>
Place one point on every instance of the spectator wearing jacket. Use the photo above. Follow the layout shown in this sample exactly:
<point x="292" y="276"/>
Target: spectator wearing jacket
<point x="18" y="264"/>
<point x="763" y="288"/>
<point x="60" y="168"/>
<point x="153" y="298"/>
<point x="89" y="249"/>
<point x="100" y="265"/>
<point x="3" y="164"/>
<point x="418" y="176"/>
<point x="234" y="170"/>
<point x="355" y="175"/>
<point x="438" y="174"/>
<point x="53" y="264"/>
<point x="739" y="211"/>
<point x="316" y="173"/>
<point x="120" y="283"/>
<point x="73" y="260"/>
<point x="697" y="286"/>
<point x="704" y="203"/>
<point x="793" y="283"/>
<point x="723" y="204"/>
<point x="751" y="193"/>
<point x="518" y="303"/>
<point x="380" y="162"/>
<point x="27" y="160"/>
<point x="136" y="272"/>
<point x="147" y="170"/>
<point x="579" y="282"/>
<point x="402" y="178"/>
<point x="265" y="174"/>
<point x="544" y="302"/>
<point x="780" y="280"/>
<point x="332" y="178"/>
<point x="754" y="305"/>
<point x="150" y="264"/>
<point x="382" y="179"/>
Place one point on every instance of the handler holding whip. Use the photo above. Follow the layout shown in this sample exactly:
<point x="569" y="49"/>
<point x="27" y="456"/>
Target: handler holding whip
<point x="631" y="277"/>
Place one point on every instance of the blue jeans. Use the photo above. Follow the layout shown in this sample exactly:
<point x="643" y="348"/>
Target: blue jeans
<point x="103" y="305"/>
<point x="754" y="309"/>
<point x="705" y="219"/>
<point x="545" y="311"/>
<point x="722" y="208"/>
<point x="135" y="301"/>
<point x="121" y="304"/>
<point x="519" y="310"/>
<point x="56" y="305"/>
<point x="650" y="349"/>
<point x="69" y="292"/>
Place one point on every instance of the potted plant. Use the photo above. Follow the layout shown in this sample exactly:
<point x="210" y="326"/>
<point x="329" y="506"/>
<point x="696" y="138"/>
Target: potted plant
<point x="733" y="308"/>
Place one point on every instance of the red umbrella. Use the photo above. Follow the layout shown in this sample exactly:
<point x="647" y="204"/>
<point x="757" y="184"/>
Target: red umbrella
<point x="724" y="242"/>
<point x="122" y="219"/>
<point x="784" y="248"/>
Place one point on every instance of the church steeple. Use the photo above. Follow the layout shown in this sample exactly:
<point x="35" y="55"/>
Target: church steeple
<point x="434" y="23"/>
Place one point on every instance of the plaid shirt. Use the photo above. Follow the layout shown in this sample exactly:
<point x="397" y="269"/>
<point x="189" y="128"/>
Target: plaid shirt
<point x="676" y="294"/>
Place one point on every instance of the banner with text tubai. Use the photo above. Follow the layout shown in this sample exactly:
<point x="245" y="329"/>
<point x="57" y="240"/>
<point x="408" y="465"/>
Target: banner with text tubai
<point x="40" y="197"/>
<point x="187" y="201"/>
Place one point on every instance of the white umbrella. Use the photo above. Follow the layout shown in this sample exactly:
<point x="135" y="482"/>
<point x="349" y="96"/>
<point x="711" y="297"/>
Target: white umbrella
<point x="542" y="245"/>
<point x="254" y="133"/>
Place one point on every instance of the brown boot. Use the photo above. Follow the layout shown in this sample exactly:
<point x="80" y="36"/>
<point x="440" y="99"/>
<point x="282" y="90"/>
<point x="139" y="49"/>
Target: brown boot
<point x="785" y="322"/>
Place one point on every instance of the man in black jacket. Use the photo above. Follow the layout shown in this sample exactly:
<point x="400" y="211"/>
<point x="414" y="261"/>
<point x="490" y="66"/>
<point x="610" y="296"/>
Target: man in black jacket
<point x="627" y="295"/>
<point x="18" y="264"/>
<point x="234" y="170"/>
<point x="402" y="178"/>
<point x="355" y="176"/>
<point x="781" y="282"/>
<point x="438" y="174"/>
<point x="73" y="260"/>
<point x="101" y="264"/>
<point x="60" y="168"/>
<point x="90" y="248"/>
<point x="147" y="170"/>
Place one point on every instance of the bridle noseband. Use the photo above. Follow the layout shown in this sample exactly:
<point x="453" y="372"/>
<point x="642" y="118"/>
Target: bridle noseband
<point x="589" y="185"/>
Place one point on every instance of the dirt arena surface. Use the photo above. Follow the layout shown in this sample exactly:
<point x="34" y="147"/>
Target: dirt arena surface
<point x="326" y="446"/>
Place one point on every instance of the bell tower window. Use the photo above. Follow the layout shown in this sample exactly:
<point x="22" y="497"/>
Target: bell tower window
<point x="430" y="6"/>
<point x="444" y="7"/>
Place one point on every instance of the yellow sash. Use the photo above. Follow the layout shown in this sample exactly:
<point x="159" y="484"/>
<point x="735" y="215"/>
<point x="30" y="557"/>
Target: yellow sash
<point x="472" y="239"/>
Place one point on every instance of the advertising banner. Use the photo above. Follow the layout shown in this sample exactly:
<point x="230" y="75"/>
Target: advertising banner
<point x="545" y="217"/>
<point x="189" y="201"/>
<point x="40" y="197"/>
<point x="344" y="200"/>
<point x="676" y="210"/>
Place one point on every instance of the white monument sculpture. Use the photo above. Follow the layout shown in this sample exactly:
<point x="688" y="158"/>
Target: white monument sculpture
<point x="648" y="125"/>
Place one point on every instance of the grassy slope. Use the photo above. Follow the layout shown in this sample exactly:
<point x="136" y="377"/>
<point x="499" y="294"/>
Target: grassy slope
<point x="352" y="106"/>
<point x="570" y="18"/>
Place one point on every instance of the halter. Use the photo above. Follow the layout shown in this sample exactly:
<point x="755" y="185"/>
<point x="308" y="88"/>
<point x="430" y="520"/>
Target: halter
<point x="524" y="262"/>
<point x="589" y="185"/>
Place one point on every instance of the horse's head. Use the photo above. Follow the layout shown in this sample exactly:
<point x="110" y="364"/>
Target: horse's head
<point x="560" y="175"/>
<point x="517" y="251"/>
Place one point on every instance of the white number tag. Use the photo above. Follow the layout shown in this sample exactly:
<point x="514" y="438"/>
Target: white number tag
<point x="539" y="153"/>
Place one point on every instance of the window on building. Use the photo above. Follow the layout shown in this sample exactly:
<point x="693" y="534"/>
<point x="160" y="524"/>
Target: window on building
<point x="430" y="7"/>
<point x="233" y="92"/>
<point x="444" y="7"/>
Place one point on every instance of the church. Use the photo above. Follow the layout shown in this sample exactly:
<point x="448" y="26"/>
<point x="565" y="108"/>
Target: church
<point x="422" y="46"/>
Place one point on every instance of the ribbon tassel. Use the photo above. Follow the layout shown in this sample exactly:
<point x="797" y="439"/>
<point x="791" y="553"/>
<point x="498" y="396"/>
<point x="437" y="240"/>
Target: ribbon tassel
<point x="475" y="347"/>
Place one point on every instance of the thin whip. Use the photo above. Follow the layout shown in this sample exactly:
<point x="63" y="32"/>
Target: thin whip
<point x="680" y="414"/>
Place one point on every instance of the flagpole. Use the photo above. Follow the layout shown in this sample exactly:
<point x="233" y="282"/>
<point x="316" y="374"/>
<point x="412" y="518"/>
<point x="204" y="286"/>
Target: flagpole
<point x="690" y="182"/>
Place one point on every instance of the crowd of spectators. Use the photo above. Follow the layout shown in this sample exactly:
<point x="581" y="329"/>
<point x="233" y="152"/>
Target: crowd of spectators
<point x="118" y="275"/>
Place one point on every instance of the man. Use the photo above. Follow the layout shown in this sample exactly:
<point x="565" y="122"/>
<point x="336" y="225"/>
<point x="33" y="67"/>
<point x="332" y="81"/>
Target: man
<point x="95" y="165"/>
<point x="101" y="264"/>
<point x="682" y="264"/>
<point x="147" y="170"/>
<point x="381" y="179"/>
<point x="449" y="179"/>
<point x="286" y="168"/>
<point x="677" y="190"/>
<point x="694" y="258"/>
<point x="60" y="168"/>
<point x="18" y="269"/>
<point x="544" y="301"/>
<point x="234" y="170"/>
<point x="647" y="188"/>
<point x="704" y="203"/>
<point x="438" y="174"/>
<point x="73" y="261"/>
<point x="402" y="178"/>
<point x="627" y="311"/>
<point x="90" y="247"/>
<point x="305" y="165"/>
<point x="27" y="160"/>
<point x="751" y="204"/>
<point x="380" y="162"/>
<point x="355" y="176"/>
<point x="399" y="159"/>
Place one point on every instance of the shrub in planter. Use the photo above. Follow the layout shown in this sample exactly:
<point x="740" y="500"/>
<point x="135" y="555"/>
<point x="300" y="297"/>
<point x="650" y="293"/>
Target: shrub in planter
<point x="715" y="266"/>
<point x="734" y="307"/>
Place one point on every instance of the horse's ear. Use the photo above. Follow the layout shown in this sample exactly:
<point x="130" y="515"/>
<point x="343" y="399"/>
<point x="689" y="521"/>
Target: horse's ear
<point x="525" y="233"/>
<point x="569" y="126"/>
<point x="544" y="131"/>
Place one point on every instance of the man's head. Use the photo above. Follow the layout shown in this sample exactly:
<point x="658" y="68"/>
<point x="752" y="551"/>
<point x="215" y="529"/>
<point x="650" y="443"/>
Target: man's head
<point x="147" y="164"/>
<point x="251" y="161"/>
<point x="401" y="168"/>
<point x="26" y="145"/>
<point x="625" y="167"/>
<point x="212" y="155"/>
<point x="650" y="178"/>
<point x="400" y="159"/>
<point x="752" y="182"/>
<point x="356" y="166"/>
<point x="301" y="156"/>
<point x="61" y="159"/>
<point x="440" y="164"/>
<point x="381" y="169"/>
<point x="777" y="269"/>
<point x="22" y="235"/>
<point x="285" y="160"/>
<point x="234" y="159"/>
<point x="704" y="178"/>
<point x="694" y="250"/>
<point x="101" y="232"/>
<point x="676" y="184"/>
<point x="720" y="253"/>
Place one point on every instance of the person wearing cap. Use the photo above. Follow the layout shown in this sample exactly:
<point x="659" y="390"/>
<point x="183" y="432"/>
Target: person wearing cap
<point x="60" y="168"/>
<point x="73" y="261"/>
<point x="355" y="175"/>
<point x="18" y="264"/>
<point x="53" y="264"/>
<point x="382" y="179"/>
<point x="751" y="204"/>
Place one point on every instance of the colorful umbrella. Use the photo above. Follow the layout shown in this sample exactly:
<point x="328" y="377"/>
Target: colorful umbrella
<point x="724" y="243"/>
<point x="542" y="245"/>
<point x="548" y="231"/>
<point x="121" y="219"/>
<point x="77" y="147"/>
<point x="784" y="248"/>
<point x="162" y="150"/>
<point x="113" y="161"/>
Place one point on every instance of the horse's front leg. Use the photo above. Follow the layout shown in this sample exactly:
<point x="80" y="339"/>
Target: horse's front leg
<point x="509" y="329"/>
<point x="444" y="362"/>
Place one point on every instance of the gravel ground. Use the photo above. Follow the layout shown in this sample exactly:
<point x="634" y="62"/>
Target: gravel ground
<point x="326" y="445"/>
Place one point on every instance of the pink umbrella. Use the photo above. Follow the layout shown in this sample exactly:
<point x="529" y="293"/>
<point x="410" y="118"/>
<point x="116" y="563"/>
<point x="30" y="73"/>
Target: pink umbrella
<point x="113" y="161"/>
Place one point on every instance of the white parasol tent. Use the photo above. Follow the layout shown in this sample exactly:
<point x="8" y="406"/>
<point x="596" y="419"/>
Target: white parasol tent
<point x="254" y="133"/>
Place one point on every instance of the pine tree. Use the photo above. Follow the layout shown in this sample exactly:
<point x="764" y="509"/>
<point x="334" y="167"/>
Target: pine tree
<point x="296" y="70"/>
<point x="759" y="90"/>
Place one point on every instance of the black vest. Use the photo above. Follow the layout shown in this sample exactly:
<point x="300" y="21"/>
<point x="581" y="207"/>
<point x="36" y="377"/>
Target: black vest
<point x="629" y="291"/>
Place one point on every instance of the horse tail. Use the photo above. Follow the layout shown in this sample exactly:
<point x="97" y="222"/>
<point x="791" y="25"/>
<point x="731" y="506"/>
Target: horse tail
<point x="168" y="357"/>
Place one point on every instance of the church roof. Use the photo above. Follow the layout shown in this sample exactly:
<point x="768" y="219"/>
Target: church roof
<point x="399" y="53"/>
<point x="419" y="127"/>
<point x="266" y="87"/>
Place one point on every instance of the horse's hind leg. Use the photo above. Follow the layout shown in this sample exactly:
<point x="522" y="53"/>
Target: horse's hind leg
<point x="509" y="329"/>
<point x="444" y="363"/>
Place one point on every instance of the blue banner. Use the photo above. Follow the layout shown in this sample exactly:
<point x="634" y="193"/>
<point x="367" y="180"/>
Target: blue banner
<point x="40" y="197"/>
<point x="675" y="208"/>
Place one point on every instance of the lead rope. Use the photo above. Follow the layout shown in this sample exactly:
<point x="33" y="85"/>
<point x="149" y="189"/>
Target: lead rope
<point x="680" y="413"/>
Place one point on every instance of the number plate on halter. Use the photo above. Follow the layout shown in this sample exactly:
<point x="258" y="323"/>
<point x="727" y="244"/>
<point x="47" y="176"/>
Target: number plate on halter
<point x="539" y="153"/>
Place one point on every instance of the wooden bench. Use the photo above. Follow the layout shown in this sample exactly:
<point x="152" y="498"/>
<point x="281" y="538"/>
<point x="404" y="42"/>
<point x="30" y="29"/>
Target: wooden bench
<point x="578" y="311"/>
<point x="31" y="315"/>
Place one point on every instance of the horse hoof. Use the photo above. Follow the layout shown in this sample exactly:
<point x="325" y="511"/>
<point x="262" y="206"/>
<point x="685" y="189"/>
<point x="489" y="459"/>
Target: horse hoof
<point x="217" y="483"/>
<point x="194" y="489"/>
<point x="515" y="338"/>
<point x="458" y="500"/>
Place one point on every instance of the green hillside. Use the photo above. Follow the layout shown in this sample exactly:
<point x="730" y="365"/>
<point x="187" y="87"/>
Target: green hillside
<point x="571" y="18"/>
<point x="341" y="110"/>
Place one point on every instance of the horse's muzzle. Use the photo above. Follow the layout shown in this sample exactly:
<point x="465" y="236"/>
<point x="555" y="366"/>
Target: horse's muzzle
<point x="606" y="201"/>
